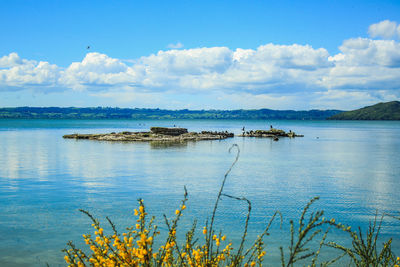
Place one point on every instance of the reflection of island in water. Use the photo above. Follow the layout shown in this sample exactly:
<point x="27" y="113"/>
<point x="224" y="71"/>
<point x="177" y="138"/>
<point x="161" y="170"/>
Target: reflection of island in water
<point x="164" y="145"/>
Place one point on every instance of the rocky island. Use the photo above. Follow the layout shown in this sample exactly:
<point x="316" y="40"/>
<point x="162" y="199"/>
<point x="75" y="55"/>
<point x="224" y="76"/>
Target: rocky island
<point x="271" y="133"/>
<point x="157" y="134"/>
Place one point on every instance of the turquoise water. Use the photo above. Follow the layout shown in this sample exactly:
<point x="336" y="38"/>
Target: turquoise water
<point x="44" y="179"/>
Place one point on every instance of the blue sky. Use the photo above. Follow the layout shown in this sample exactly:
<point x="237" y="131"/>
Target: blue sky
<point x="199" y="54"/>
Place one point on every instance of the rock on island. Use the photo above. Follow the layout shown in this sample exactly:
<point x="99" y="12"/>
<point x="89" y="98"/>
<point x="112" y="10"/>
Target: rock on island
<point x="160" y="134"/>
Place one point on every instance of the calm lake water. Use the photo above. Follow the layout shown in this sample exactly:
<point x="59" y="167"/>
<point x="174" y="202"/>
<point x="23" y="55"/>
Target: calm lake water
<point x="354" y="167"/>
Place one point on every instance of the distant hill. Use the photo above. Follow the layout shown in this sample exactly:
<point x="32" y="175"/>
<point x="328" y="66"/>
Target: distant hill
<point x="381" y="111"/>
<point x="141" y="113"/>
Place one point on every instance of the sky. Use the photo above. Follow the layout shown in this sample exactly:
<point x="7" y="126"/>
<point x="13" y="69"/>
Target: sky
<point x="316" y="54"/>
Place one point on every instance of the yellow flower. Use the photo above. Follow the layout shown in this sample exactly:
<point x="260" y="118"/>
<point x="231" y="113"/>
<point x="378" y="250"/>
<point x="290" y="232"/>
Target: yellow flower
<point x="204" y="230"/>
<point x="223" y="238"/>
<point x="137" y="226"/>
<point x="66" y="259"/>
<point x="136" y="212"/>
<point x="262" y="254"/>
<point x="252" y="264"/>
<point x="183" y="207"/>
<point x="177" y="212"/>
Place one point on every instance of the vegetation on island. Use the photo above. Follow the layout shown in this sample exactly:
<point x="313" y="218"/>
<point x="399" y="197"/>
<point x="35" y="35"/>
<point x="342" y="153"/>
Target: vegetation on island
<point x="160" y="114"/>
<point x="380" y="111"/>
<point x="308" y="238"/>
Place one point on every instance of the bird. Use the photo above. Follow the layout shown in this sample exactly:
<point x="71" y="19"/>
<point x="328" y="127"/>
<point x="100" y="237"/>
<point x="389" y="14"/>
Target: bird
<point x="88" y="47"/>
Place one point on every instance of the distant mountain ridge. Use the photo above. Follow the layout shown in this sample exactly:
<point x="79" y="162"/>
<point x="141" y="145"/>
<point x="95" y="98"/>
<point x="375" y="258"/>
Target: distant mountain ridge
<point x="380" y="111"/>
<point x="142" y="113"/>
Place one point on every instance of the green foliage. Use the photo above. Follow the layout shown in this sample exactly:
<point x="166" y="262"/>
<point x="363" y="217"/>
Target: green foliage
<point x="364" y="250"/>
<point x="300" y="239"/>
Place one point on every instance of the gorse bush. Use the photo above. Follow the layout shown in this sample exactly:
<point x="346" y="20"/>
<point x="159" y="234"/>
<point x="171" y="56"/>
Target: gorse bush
<point x="136" y="246"/>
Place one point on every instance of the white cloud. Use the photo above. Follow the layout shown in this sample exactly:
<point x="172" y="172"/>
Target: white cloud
<point x="365" y="64"/>
<point x="367" y="52"/>
<point x="386" y="29"/>
<point x="271" y="73"/>
<point x="96" y="72"/>
<point x="269" y="68"/>
<point x="178" y="45"/>
<point x="10" y="61"/>
<point x="398" y="31"/>
<point x="20" y="73"/>
<point x="190" y="61"/>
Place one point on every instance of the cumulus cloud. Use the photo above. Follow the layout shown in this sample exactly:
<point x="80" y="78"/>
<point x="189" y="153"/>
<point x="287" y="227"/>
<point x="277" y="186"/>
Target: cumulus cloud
<point x="365" y="64"/>
<point x="96" y="70"/>
<point x="386" y="29"/>
<point x="10" y="60"/>
<point x="189" y="62"/>
<point x="17" y="73"/>
<point x="178" y="45"/>
<point x="270" y="73"/>
<point x="367" y="52"/>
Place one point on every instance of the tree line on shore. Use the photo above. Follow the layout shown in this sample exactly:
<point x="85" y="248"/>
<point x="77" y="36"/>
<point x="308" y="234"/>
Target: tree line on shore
<point x="380" y="111"/>
<point x="145" y="113"/>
